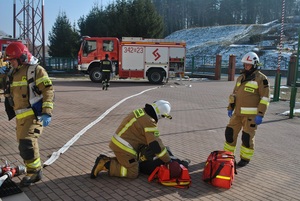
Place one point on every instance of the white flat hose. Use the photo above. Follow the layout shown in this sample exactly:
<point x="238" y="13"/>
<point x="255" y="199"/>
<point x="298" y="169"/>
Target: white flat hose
<point x="63" y="149"/>
<point x="2" y="179"/>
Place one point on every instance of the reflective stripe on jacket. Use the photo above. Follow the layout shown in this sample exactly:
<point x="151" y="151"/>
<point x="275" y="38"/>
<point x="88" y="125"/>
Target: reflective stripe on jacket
<point x="19" y="88"/>
<point x="138" y="128"/>
<point x="252" y="95"/>
<point x="106" y="66"/>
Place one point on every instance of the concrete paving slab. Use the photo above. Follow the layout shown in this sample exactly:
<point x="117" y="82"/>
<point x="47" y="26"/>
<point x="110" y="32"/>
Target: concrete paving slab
<point x="197" y="128"/>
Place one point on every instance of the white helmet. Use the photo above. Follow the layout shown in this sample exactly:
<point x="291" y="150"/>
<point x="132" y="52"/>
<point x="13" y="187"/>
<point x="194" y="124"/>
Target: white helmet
<point x="162" y="109"/>
<point x="250" y="58"/>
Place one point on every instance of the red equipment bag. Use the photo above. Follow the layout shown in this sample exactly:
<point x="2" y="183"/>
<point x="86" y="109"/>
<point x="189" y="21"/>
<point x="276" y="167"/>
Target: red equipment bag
<point x="220" y="169"/>
<point x="162" y="174"/>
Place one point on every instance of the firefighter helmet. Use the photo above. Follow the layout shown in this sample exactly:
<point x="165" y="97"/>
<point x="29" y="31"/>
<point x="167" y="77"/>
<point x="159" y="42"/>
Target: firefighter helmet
<point x="250" y="58"/>
<point x="162" y="109"/>
<point x="17" y="50"/>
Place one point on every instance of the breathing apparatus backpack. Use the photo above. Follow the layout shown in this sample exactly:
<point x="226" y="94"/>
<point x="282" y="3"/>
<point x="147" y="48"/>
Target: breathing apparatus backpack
<point x="35" y="95"/>
<point x="163" y="176"/>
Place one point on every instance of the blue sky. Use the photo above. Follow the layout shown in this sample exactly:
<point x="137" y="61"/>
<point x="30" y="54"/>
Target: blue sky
<point x="74" y="9"/>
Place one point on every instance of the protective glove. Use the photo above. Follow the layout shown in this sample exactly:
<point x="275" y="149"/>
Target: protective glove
<point x="3" y="70"/>
<point x="45" y="118"/>
<point x="258" y="119"/>
<point x="145" y="153"/>
<point x="229" y="113"/>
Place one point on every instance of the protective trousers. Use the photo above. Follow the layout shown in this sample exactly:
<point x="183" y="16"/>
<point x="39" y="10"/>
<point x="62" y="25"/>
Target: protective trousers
<point x="124" y="165"/>
<point x="106" y="79"/>
<point x="28" y="132"/>
<point x="233" y="128"/>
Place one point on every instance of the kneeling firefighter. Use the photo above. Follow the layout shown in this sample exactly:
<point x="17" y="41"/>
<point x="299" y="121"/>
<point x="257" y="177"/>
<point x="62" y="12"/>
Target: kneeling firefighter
<point x="247" y="106"/>
<point x="29" y="97"/>
<point x="137" y="129"/>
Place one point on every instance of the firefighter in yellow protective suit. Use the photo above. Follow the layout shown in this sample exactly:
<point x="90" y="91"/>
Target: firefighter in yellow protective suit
<point x="247" y="106"/>
<point x="137" y="129"/>
<point x="3" y="67"/>
<point x="26" y="83"/>
<point x="2" y="63"/>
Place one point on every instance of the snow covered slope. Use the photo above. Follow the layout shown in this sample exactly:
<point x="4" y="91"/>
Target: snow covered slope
<point x="227" y="40"/>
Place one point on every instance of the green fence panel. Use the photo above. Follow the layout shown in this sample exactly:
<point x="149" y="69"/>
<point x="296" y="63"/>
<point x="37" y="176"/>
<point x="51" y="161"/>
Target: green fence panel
<point x="201" y="64"/>
<point x="61" y="64"/>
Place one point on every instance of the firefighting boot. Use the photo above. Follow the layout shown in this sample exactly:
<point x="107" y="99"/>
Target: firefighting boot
<point x="185" y="163"/>
<point x="242" y="163"/>
<point x="101" y="164"/>
<point x="106" y="86"/>
<point x="31" y="176"/>
<point x="103" y="85"/>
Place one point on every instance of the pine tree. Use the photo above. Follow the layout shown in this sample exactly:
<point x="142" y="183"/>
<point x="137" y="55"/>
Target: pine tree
<point x="118" y="21"/>
<point x="64" y="40"/>
<point x="131" y="18"/>
<point x="95" y="23"/>
<point x="145" y="20"/>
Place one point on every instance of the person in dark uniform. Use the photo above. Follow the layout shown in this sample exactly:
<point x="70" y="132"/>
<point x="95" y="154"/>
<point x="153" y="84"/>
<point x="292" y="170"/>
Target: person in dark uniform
<point x="106" y="69"/>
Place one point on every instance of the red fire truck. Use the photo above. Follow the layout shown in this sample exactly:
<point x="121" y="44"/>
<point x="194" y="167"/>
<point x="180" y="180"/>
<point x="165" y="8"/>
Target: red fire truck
<point x="133" y="57"/>
<point x="4" y="42"/>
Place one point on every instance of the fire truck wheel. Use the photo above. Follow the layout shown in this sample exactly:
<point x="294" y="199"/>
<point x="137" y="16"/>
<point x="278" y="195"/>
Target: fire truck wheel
<point x="155" y="76"/>
<point x="96" y="75"/>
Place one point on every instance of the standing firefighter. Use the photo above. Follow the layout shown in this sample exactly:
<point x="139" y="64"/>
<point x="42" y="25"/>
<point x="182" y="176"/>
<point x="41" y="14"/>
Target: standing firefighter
<point x="137" y="129"/>
<point x="106" y="68"/>
<point x="3" y="68"/>
<point x="249" y="101"/>
<point x="2" y="62"/>
<point x="28" y="97"/>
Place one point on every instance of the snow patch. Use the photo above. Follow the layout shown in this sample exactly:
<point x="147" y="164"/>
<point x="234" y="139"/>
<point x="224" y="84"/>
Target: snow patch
<point x="225" y="40"/>
<point x="287" y="113"/>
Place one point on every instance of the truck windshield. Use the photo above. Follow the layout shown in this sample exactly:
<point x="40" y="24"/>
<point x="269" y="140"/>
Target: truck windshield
<point x="89" y="46"/>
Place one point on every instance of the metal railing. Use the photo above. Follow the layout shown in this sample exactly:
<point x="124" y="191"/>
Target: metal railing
<point x="60" y="64"/>
<point x="195" y="65"/>
<point x="206" y="64"/>
<point x="201" y="64"/>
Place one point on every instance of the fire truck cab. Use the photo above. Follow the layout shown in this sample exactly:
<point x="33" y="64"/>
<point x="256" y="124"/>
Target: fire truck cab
<point x="152" y="59"/>
<point x="4" y="42"/>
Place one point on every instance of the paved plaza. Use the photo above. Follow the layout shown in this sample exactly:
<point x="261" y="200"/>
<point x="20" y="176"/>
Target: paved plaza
<point x="85" y="118"/>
